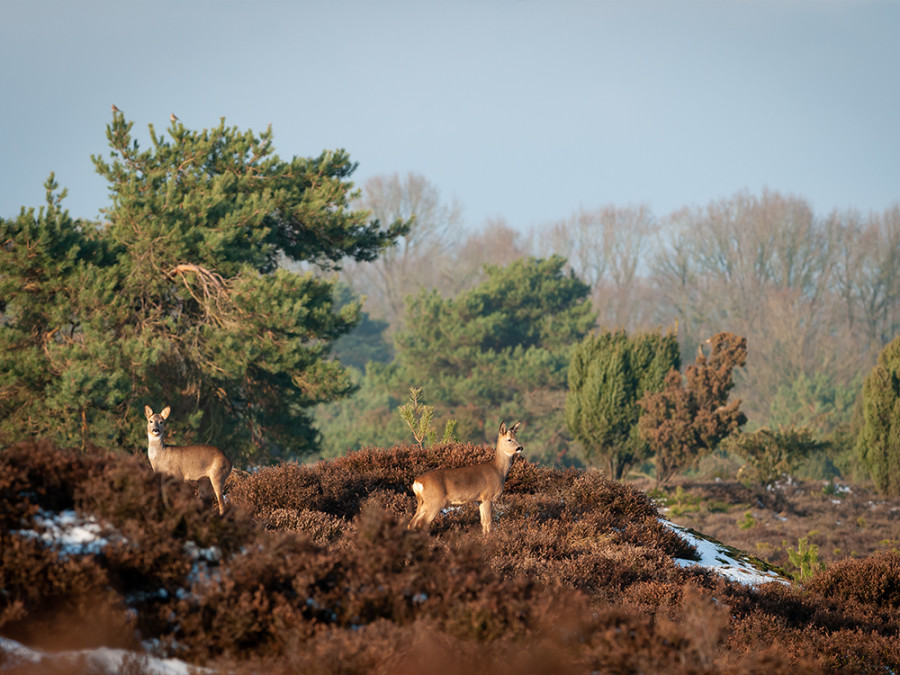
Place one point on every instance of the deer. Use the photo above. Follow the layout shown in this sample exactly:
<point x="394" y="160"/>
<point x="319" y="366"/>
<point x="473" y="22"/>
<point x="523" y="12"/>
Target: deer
<point x="483" y="483"/>
<point x="188" y="462"/>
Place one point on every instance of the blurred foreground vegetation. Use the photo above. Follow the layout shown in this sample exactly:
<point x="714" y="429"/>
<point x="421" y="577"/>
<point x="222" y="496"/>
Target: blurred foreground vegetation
<point x="313" y="571"/>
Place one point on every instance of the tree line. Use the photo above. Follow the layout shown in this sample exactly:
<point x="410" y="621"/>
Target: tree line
<point x="817" y="298"/>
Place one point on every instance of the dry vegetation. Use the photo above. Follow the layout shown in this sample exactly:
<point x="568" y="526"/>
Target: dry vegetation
<point x="313" y="571"/>
<point x="841" y="520"/>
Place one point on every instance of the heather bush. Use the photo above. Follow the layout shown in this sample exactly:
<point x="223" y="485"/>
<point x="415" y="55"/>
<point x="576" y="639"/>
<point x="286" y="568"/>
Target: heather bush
<point x="147" y="521"/>
<point x="320" y="527"/>
<point x="36" y="475"/>
<point x="874" y="580"/>
<point x="313" y="570"/>
<point x="286" y="486"/>
<point x="59" y="601"/>
<point x="250" y="603"/>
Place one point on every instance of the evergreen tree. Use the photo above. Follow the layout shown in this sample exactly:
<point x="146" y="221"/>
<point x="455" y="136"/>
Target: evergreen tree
<point x="177" y="297"/>
<point x="608" y="375"/>
<point x="367" y="418"/>
<point x="367" y="341"/>
<point x="878" y="444"/>
<point x="43" y="275"/>
<point x="691" y="415"/>
<point x="497" y="351"/>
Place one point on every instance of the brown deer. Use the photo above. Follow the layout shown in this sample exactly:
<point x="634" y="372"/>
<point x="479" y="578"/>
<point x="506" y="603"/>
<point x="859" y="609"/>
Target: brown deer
<point x="477" y="483"/>
<point x="189" y="462"/>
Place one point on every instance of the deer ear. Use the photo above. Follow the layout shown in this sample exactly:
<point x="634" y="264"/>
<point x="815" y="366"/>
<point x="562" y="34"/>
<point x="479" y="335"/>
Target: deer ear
<point x="164" y="413"/>
<point x="148" y="411"/>
<point x="502" y="427"/>
<point x="515" y="427"/>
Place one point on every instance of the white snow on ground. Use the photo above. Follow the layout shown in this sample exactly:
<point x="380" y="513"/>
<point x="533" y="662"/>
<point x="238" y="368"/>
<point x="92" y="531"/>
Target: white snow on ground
<point x="100" y="660"/>
<point x="68" y="532"/>
<point x="718" y="558"/>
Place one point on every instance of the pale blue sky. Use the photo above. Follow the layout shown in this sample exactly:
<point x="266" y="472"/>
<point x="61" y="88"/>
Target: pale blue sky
<point x="525" y="110"/>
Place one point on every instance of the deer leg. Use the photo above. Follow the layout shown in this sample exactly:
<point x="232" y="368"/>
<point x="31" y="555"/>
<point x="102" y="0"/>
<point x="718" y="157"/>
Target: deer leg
<point x="218" y="486"/>
<point x="426" y="514"/>
<point x="485" y="509"/>
<point x="433" y="512"/>
<point x="419" y="514"/>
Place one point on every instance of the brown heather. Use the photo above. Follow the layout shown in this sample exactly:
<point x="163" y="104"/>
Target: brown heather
<point x="313" y="571"/>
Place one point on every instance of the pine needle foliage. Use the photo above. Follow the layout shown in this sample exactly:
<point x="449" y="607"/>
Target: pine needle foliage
<point x="418" y="418"/>
<point x="608" y="374"/>
<point x="878" y="444"/>
<point x="177" y="297"/>
<point x="805" y="559"/>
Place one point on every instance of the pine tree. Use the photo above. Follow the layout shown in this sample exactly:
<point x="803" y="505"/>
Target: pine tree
<point x="43" y="273"/>
<point x="608" y="374"/>
<point x="178" y="298"/>
<point x="497" y="351"/>
<point x="878" y="444"/>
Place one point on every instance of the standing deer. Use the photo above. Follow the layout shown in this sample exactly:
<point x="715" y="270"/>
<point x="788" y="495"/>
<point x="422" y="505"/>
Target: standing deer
<point x="189" y="462"/>
<point x="477" y="483"/>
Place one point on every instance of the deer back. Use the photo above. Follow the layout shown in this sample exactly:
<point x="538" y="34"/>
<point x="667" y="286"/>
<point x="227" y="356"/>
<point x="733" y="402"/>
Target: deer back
<point x="464" y="484"/>
<point x="190" y="462"/>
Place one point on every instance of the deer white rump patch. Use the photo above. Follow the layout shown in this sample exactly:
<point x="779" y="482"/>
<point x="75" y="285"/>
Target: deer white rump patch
<point x="417" y="487"/>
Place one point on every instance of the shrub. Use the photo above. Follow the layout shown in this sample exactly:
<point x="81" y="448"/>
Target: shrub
<point x="748" y="521"/>
<point x="314" y="571"/>
<point x="608" y="374"/>
<point x="805" y="559"/>
<point x="873" y="580"/>
<point x="878" y="444"/>
<point x="773" y="454"/>
<point x="688" y="418"/>
<point x="58" y="601"/>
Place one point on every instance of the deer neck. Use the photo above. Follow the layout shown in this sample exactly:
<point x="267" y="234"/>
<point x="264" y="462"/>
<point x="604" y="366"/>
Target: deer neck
<point x="155" y="447"/>
<point x="502" y="462"/>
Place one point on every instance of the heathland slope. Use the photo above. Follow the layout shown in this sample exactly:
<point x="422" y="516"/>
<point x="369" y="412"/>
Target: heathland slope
<point x="313" y="571"/>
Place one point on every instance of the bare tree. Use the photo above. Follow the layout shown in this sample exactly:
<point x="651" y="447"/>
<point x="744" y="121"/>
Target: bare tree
<point x="756" y="266"/>
<point x="420" y="258"/>
<point x="715" y="263"/>
<point x="867" y="275"/>
<point x="607" y="248"/>
<point x="495" y="244"/>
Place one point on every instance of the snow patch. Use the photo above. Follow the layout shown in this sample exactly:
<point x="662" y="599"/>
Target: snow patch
<point x="68" y="532"/>
<point x="102" y="660"/>
<point x="724" y="560"/>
